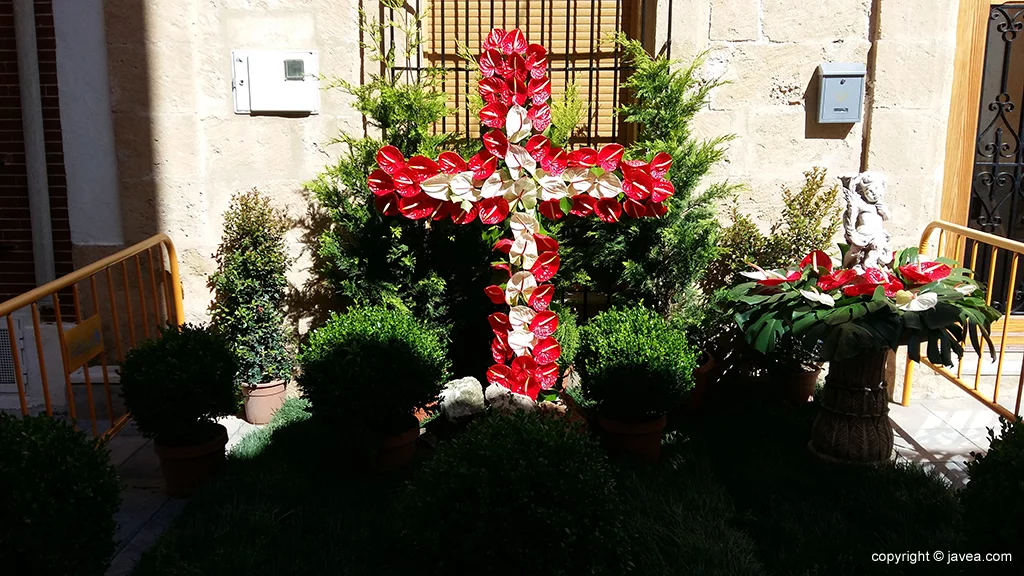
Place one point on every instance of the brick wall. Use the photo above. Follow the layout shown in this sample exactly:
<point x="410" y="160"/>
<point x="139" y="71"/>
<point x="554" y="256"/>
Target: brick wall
<point x="17" y="273"/>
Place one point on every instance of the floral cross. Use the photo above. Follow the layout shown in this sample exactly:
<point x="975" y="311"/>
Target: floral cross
<point x="518" y="177"/>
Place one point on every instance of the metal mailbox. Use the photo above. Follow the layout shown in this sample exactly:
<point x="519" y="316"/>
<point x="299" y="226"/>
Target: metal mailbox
<point x="841" y="97"/>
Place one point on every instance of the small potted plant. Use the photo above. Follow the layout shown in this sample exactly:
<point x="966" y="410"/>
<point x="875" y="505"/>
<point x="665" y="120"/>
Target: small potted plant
<point x="176" y="387"/>
<point x="635" y="367"/>
<point x="249" y="287"/>
<point x="367" y="371"/>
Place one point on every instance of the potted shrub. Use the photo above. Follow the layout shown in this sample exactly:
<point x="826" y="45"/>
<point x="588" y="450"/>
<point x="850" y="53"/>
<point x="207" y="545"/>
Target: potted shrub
<point x="367" y="370"/>
<point x="635" y="367"/>
<point x="249" y="287"/>
<point x="60" y="494"/>
<point x="175" y="387"/>
<point x="852" y="317"/>
<point x="993" y="500"/>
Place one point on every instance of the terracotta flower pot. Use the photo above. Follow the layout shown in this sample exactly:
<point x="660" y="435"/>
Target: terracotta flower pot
<point x="187" y="468"/>
<point x="796" y="385"/>
<point x="700" y="383"/>
<point x="261" y="401"/>
<point x="397" y="451"/>
<point x="634" y="439"/>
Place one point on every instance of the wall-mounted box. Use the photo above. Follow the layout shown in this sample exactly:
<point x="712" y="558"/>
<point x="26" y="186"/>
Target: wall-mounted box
<point x="268" y="82"/>
<point x="841" y="94"/>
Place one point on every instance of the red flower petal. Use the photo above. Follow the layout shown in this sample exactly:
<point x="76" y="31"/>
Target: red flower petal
<point x="544" y="324"/>
<point x="536" y="60"/>
<point x="443" y="211"/>
<point x="514" y="42"/>
<point x="390" y="159"/>
<point x="546" y="375"/>
<point x="493" y="115"/>
<point x="460" y="216"/>
<point x="493" y="39"/>
<point x="523" y="367"/>
<point x="483" y="165"/>
<point x="406" y="183"/>
<point x="380" y="183"/>
<point x="423" y="168"/>
<point x="495" y="293"/>
<point x="496" y="143"/>
<point x="583" y="205"/>
<point x="387" y="204"/>
<point x="499" y="323"/>
<point x="547" y="351"/>
<point x="503" y="267"/>
<point x="517" y="91"/>
<point x="656" y="209"/>
<point x="662" y="190"/>
<point x="538" y="146"/>
<point x="418" y="207"/>
<point x="791" y="276"/>
<point x="555" y="162"/>
<point x="836" y="279"/>
<point x="660" y="164"/>
<point x="539" y="90"/>
<point x="503" y="245"/>
<point x="546" y="266"/>
<point x="499" y="351"/>
<point x="499" y="374"/>
<point x="818" y="259"/>
<point x="540" y="116"/>
<point x="639" y="186"/>
<point x="551" y="209"/>
<point x="925" y="273"/>
<point x="451" y="163"/>
<point x="545" y="243"/>
<point x="515" y="67"/>
<point x="541" y="297"/>
<point x="490" y="62"/>
<point x="608" y="210"/>
<point x="610" y="155"/>
<point x="634" y="209"/>
<point x="493" y="210"/>
<point x="490" y="89"/>
<point x="584" y="157"/>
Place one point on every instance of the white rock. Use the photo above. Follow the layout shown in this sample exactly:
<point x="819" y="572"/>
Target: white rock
<point x="505" y="401"/>
<point x="461" y="398"/>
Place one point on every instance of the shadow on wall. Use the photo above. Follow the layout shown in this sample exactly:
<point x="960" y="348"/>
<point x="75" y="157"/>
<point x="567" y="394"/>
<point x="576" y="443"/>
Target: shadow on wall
<point x="310" y="304"/>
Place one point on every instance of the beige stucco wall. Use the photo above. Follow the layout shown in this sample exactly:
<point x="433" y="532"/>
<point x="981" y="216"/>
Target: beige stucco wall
<point x="182" y="151"/>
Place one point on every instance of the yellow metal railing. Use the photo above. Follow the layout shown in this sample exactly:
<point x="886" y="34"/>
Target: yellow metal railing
<point x="134" y="273"/>
<point x="955" y="241"/>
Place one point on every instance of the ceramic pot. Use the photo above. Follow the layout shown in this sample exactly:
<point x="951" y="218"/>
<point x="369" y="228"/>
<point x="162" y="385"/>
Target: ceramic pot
<point x="633" y="439"/>
<point x="261" y="401"/>
<point x="187" y="468"/>
<point x="796" y="386"/>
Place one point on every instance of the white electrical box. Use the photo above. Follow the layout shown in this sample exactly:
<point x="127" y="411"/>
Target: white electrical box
<point x="269" y="82"/>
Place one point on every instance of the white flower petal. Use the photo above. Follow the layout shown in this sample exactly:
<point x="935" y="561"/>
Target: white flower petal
<point x="608" y="185"/>
<point x="552" y="188"/>
<point x="819" y="298"/>
<point x="495" y="185"/>
<point x="524" y="251"/>
<point x="921" y="302"/>
<point x="966" y="289"/>
<point x="437" y="186"/>
<point x="521" y="341"/>
<point x="462" y="187"/>
<point x="755" y="274"/>
<point x="522" y="284"/>
<point x="520" y="317"/>
<point x="519" y="160"/>
<point x="521" y="222"/>
<point x="517" y="124"/>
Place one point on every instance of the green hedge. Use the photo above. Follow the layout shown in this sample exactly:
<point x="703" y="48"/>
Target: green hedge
<point x="993" y="500"/>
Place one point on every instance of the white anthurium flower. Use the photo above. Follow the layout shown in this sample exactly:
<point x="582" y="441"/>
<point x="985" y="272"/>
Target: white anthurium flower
<point x="818" y="297"/>
<point x="552" y="187"/>
<point x="521" y="284"/>
<point x="523" y="190"/>
<point x="911" y="302"/>
<point x="523" y="252"/>
<point x="519" y="160"/>
<point x="462" y="187"/>
<point x="518" y="124"/>
<point x="763" y="274"/>
<point x="608" y="185"/>
<point x="966" y="289"/>
<point x="520" y="317"/>
<point x="523" y="222"/>
<point x="581" y="180"/>
<point x="437" y="186"/>
<point x="521" y="341"/>
<point x="496" y="185"/>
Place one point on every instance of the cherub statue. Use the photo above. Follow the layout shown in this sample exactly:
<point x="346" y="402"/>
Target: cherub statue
<point x="863" y="220"/>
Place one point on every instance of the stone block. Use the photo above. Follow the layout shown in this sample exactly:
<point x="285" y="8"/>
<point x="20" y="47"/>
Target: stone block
<point x="783" y="148"/>
<point x="801" y="21"/>
<point x="152" y="78"/>
<point x="734" y="20"/>
<point x="690" y="20"/>
<point x="916" y="19"/>
<point x="907" y="142"/>
<point x="717" y="123"/>
<point x="913" y="73"/>
<point x="135" y="22"/>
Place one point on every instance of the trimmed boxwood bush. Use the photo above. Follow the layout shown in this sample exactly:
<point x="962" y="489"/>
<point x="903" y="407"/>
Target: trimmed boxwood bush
<point x="993" y="500"/>
<point x="57" y="502"/>
<point x="176" y="385"/>
<point x="633" y="364"/>
<point x="518" y="494"/>
<point x="373" y="366"/>
<point x="568" y="336"/>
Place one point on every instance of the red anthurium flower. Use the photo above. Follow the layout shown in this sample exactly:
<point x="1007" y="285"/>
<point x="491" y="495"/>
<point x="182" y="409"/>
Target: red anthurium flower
<point x="536" y="60"/>
<point x="836" y="279"/>
<point x="380" y="183"/>
<point x="517" y="91"/>
<point x="538" y="146"/>
<point x="490" y="63"/>
<point x="608" y="210"/>
<point x="583" y="205"/>
<point x="495" y="293"/>
<point x="540" y="116"/>
<point x="523" y="366"/>
<point x="483" y="165"/>
<point x="461" y="216"/>
<point x="866" y="283"/>
<point x="546" y="375"/>
<point x="635" y="164"/>
<point x="545" y="243"/>
<point x="583" y="158"/>
<point x="503" y="245"/>
<point x="418" y="207"/>
<point x="443" y="211"/>
<point x="544" y="324"/>
<point x="817" y="259"/>
<point x="451" y="163"/>
<point x="496" y="143"/>
<point x="406" y="183"/>
<point x="776" y="278"/>
<point x="515" y="67"/>
<point x="539" y="90"/>
<point x="634" y="209"/>
<point x="663" y="189"/>
<point x="493" y="115"/>
<point x="547" y="351"/>
<point x="610" y="155"/>
<point x="493" y="210"/>
<point x="493" y="39"/>
<point x="660" y="164"/>
<point x="546" y="266"/>
<point x="514" y="42"/>
<point x="540" y="299"/>
<point x="925" y="272"/>
<point x="500" y="351"/>
<point x="499" y="323"/>
<point x="551" y="209"/>
<point x="503" y="267"/>
<point x="522" y="380"/>
<point x="423" y="168"/>
<point x="638" y="186"/>
<point x="387" y="204"/>
<point x="656" y="209"/>
<point x="490" y="89"/>
<point x="556" y="160"/>
<point x="390" y="159"/>
<point x="499" y="374"/>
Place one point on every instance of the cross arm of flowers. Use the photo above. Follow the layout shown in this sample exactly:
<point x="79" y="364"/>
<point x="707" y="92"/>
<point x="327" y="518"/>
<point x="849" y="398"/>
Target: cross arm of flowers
<point x="851" y="311"/>
<point x="518" y="178"/>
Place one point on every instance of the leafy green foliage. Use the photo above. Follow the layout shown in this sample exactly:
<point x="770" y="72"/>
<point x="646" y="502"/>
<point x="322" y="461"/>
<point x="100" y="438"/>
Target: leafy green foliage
<point x="809" y="221"/>
<point x="502" y="482"/>
<point x="633" y="364"/>
<point x="177" y="384"/>
<point x="568" y="336"/>
<point x="993" y="500"/>
<point x="58" y="500"/>
<point x="654" y="260"/>
<point x="249" y="287"/>
<point x="566" y="115"/>
<point x="372" y="365"/>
